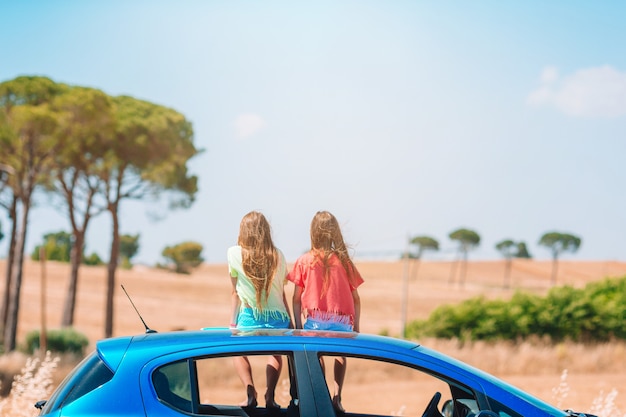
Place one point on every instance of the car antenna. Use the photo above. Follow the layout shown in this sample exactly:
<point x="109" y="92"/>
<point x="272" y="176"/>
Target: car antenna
<point x="148" y="330"/>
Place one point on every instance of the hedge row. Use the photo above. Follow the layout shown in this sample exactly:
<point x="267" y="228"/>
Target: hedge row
<point x="594" y="313"/>
<point x="67" y="340"/>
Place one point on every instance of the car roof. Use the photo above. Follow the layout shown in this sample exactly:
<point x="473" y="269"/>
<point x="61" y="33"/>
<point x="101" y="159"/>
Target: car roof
<point x="153" y="343"/>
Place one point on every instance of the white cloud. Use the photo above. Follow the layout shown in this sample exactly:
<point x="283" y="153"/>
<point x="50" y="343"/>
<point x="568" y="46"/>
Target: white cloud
<point x="590" y="92"/>
<point x="248" y="124"/>
<point x="549" y="75"/>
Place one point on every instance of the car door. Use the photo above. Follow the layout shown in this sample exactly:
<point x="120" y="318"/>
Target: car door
<point x="372" y="372"/>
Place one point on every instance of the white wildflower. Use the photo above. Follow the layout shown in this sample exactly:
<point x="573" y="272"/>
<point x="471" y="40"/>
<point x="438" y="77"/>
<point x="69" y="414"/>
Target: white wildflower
<point x="560" y="392"/>
<point x="31" y="385"/>
<point x="604" y="406"/>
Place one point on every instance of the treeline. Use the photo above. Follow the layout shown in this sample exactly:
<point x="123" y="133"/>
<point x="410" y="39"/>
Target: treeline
<point x="57" y="246"/>
<point x="596" y="312"/>
<point x="467" y="240"/>
<point x="89" y="152"/>
<point x="182" y="257"/>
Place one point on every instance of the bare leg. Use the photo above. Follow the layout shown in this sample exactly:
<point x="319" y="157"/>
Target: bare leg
<point x="340" y="375"/>
<point x="272" y="372"/>
<point x="244" y="370"/>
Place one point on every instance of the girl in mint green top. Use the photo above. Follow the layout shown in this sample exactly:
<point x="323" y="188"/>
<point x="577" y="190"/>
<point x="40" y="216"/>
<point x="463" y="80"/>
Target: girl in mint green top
<point x="258" y="274"/>
<point x="272" y="311"/>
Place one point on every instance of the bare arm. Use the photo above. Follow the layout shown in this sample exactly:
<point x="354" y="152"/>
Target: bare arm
<point x="297" y="306"/>
<point x="357" y="310"/>
<point x="235" y="302"/>
<point x="288" y="311"/>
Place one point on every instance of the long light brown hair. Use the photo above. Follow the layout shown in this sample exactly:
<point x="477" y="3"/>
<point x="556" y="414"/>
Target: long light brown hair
<point x="259" y="255"/>
<point x="326" y="239"/>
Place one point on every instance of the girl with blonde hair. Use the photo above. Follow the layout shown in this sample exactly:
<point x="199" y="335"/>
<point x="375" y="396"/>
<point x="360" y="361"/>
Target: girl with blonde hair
<point x="258" y="274"/>
<point x="326" y="283"/>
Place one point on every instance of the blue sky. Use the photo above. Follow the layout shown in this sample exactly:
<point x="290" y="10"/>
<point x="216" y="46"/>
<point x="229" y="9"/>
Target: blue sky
<point x="402" y="118"/>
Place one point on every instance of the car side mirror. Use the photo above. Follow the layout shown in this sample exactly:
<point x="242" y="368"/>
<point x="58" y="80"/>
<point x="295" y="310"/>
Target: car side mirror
<point x="39" y="404"/>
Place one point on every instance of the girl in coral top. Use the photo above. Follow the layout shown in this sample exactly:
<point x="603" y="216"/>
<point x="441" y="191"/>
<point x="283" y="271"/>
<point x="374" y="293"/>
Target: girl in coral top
<point x="326" y="283"/>
<point x="258" y="274"/>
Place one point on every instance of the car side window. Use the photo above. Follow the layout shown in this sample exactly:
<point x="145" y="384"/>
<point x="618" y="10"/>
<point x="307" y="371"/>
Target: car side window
<point x="172" y="385"/>
<point x="219" y="384"/>
<point x="212" y="386"/>
<point x="380" y="388"/>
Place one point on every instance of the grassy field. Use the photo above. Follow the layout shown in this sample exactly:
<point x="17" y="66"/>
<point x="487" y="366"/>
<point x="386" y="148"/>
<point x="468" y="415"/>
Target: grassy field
<point x="172" y="302"/>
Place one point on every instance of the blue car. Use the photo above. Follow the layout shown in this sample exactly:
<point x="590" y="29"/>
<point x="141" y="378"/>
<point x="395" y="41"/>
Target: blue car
<point x="192" y="373"/>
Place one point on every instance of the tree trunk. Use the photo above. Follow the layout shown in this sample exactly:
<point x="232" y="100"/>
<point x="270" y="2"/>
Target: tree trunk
<point x="10" y="330"/>
<point x="78" y="235"/>
<point x="555" y="266"/>
<point x="112" y="267"/>
<point x="507" y="272"/>
<point x="405" y="294"/>
<point x="463" y="268"/>
<point x="11" y="255"/>
<point x="453" y="271"/>
<point x="72" y="289"/>
<point x="418" y="262"/>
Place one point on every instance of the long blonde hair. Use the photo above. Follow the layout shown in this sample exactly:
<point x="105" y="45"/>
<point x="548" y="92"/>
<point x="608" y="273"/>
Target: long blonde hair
<point x="259" y="255"/>
<point x="326" y="239"/>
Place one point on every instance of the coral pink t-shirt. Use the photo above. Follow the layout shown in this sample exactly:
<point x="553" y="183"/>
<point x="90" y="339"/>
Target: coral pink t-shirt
<point x="308" y="273"/>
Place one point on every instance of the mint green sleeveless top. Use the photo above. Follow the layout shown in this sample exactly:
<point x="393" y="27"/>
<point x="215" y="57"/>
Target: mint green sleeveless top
<point x="274" y="307"/>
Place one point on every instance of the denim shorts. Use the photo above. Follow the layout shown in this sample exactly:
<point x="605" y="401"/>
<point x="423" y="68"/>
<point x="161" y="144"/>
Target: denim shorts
<point x="316" y="324"/>
<point x="246" y="320"/>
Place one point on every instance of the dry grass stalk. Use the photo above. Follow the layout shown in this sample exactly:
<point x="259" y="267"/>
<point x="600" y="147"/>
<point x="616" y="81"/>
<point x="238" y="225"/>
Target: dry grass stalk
<point x="602" y="406"/>
<point x="560" y="392"/>
<point x="31" y="385"/>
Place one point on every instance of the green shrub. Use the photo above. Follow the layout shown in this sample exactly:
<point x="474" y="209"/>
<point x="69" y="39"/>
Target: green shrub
<point x="594" y="313"/>
<point x="185" y="256"/>
<point x="57" y="247"/>
<point x="65" y="340"/>
<point x="93" y="260"/>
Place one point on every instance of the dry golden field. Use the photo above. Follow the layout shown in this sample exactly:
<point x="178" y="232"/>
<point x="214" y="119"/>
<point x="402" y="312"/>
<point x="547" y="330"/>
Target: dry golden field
<point x="171" y="302"/>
